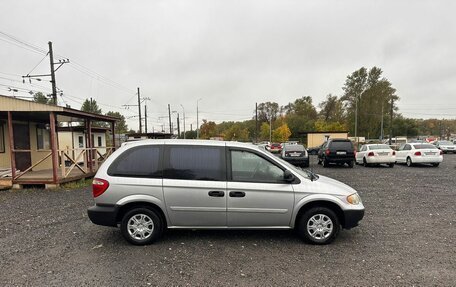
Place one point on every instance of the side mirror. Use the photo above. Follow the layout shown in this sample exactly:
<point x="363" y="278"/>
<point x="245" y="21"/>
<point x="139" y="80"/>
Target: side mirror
<point x="288" y="176"/>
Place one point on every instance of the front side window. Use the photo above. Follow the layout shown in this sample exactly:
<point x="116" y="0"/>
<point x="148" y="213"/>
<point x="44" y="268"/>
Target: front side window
<point x="43" y="138"/>
<point x="250" y="167"/>
<point x="195" y="163"/>
<point x="142" y="161"/>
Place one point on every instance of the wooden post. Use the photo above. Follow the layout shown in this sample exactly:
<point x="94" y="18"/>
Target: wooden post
<point x="11" y="144"/>
<point x="89" y="140"/>
<point x="55" y="163"/>
<point x="113" y="126"/>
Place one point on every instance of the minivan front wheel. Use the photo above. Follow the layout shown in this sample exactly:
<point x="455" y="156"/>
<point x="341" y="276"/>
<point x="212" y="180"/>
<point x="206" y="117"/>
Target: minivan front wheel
<point x="319" y="225"/>
<point x="141" y="226"/>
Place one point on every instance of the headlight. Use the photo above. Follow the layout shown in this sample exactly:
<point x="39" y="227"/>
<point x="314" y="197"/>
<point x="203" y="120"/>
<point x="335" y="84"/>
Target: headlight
<point x="354" y="199"/>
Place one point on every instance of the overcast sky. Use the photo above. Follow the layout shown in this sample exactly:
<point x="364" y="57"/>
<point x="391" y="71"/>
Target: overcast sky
<point x="232" y="54"/>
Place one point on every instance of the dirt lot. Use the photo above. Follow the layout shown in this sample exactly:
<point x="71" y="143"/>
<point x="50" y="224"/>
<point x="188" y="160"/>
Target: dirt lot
<point x="406" y="238"/>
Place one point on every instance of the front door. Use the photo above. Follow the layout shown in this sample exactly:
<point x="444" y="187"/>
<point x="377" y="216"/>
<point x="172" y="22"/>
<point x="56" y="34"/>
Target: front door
<point x="194" y="185"/>
<point x="257" y="193"/>
<point x="21" y="135"/>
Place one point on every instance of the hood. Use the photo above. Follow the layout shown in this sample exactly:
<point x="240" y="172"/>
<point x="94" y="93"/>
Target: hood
<point x="331" y="186"/>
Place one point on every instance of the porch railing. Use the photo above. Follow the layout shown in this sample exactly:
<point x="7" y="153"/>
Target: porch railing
<point x="86" y="160"/>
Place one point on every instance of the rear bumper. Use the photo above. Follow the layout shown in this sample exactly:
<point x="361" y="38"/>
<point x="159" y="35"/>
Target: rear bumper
<point x="428" y="159"/>
<point x="381" y="159"/>
<point x="340" y="159"/>
<point x="105" y="215"/>
<point x="352" y="218"/>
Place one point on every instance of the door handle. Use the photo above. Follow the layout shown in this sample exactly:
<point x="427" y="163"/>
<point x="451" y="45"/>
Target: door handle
<point x="237" y="194"/>
<point x="216" y="193"/>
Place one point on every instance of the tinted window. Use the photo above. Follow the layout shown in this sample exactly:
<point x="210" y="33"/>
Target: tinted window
<point x="345" y="145"/>
<point x="250" y="167"/>
<point x="195" y="163"/>
<point x="142" y="161"/>
<point x="425" y="146"/>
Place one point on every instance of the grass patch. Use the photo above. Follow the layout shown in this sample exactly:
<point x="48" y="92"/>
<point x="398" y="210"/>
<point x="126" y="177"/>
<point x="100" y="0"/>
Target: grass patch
<point x="82" y="183"/>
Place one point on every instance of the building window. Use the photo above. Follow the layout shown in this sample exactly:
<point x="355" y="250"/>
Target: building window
<point x="99" y="141"/>
<point x="80" y="141"/>
<point x="43" y="138"/>
<point x="2" y="139"/>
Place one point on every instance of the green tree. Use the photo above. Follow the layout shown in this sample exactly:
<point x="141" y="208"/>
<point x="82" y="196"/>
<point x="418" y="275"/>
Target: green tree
<point x="268" y="110"/>
<point x="264" y="131"/>
<point x="121" y="125"/>
<point x="300" y="116"/>
<point x="39" y="97"/>
<point x="91" y="106"/>
<point x="208" y="129"/>
<point x="372" y="94"/>
<point x="236" y="133"/>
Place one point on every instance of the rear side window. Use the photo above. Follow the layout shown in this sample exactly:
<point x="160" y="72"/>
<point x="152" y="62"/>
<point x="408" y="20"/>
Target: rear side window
<point x="195" y="163"/>
<point x="345" y="145"/>
<point x="142" y="161"/>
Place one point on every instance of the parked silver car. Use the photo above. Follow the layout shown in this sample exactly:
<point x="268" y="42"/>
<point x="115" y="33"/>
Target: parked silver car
<point x="150" y="185"/>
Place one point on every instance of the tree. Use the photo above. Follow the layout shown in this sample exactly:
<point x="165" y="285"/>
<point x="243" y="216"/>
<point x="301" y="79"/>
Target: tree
<point x="332" y="109"/>
<point x="236" y="133"/>
<point x="39" y="97"/>
<point x="268" y="111"/>
<point x="300" y="116"/>
<point x="371" y="93"/>
<point x="208" y="130"/>
<point x="121" y="126"/>
<point x="91" y="106"/>
<point x="281" y="134"/>
<point x="264" y="131"/>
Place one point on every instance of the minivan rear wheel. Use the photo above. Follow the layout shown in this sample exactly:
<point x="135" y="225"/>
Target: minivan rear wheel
<point x="319" y="225"/>
<point x="141" y="226"/>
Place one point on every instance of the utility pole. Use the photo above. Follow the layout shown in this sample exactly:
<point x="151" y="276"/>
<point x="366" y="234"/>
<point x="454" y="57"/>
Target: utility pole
<point x="178" y="126"/>
<point x="52" y="74"/>
<point x="170" y="123"/>
<point x="270" y="129"/>
<point x="381" y="126"/>
<point x="54" y="88"/>
<point x="391" y="122"/>
<point x="197" y="118"/>
<point x="183" y="110"/>
<point x="256" y="122"/>
<point x="145" y="117"/>
<point x="139" y="110"/>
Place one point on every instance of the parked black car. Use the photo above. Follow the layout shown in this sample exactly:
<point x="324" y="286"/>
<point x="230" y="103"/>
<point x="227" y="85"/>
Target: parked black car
<point x="338" y="151"/>
<point x="295" y="154"/>
<point x="314" y="150"/>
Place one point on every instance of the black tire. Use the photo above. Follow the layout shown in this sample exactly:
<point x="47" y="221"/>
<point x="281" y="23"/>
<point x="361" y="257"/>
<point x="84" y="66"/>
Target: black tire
<point x="325" y="163"/>
<point x="155" y="222"/>
<point x="365" y="164"/>
<point x="351" y="164"/>
<point x="391" y="165"/>
<point x="435" y="164"/>
<point x="409" y="162"/>
<point x="305" y="232"/>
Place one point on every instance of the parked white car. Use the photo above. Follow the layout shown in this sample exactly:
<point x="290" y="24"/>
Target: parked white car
<point x="412" y="153"/>
<point x="446" y="146"/>
<point x="375" y="154"/>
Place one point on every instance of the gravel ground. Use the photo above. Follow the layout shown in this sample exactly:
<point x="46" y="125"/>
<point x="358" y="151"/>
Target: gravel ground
<point x="406" y="238"/>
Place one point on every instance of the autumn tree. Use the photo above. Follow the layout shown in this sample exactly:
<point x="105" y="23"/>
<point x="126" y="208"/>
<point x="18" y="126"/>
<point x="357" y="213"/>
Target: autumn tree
<point x="281" y="134"/>
<point x="208" y="129"/>
<point x="264" y="131"/>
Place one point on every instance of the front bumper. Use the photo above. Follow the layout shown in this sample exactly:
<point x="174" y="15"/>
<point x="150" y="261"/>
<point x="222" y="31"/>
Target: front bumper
<point x="352" y="218"/>
<point x="105" y="215"/>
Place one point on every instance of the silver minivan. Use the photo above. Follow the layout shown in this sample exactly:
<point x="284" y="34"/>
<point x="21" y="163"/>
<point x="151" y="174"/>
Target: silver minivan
<point x="147" y="186"/>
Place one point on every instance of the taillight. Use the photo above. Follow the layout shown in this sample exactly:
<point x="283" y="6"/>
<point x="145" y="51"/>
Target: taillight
<point x="99" y="186"/>
<point x="418" y="153"/>
<point x="327" y="152"/>
<point x="370" y="154"/>
<point x="394" y="153"/>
